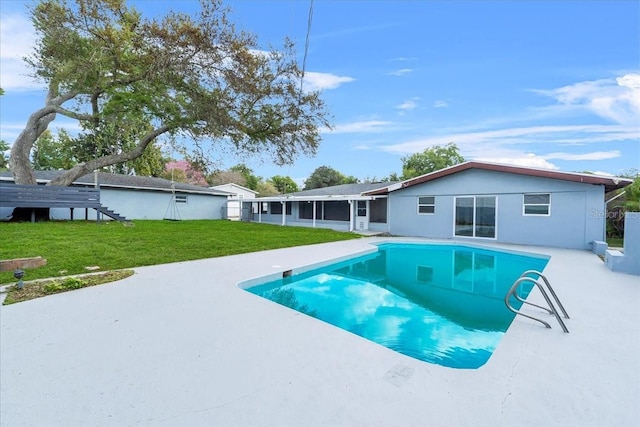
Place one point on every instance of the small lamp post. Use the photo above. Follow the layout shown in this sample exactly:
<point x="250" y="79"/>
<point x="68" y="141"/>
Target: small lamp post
<point x="19" y="274"/>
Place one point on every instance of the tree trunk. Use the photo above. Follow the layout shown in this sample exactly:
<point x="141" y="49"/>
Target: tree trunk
<point x="19" y="159"/>
<point x="20" y="162"/>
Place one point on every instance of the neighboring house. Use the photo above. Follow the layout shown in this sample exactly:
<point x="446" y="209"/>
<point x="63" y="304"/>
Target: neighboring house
<point x="341" y="207"/>
<point x="474" y="201"/>
<point x="234" y="200"/>
<point x="139" y="197"/>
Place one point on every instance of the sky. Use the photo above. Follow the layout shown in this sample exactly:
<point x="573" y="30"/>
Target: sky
<point x="547" y="84"/>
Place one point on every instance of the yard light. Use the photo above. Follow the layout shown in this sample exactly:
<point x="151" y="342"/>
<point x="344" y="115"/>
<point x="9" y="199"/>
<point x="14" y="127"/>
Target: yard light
<point x="19" y="274"/>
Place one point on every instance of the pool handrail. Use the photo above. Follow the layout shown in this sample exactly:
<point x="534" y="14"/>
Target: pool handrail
<point x="524" y="277"/>
<point x="550" y="288"/>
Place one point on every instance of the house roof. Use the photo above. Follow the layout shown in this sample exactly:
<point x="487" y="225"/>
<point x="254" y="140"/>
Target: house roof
<point x="610" y="183"/>
<point x="341" y="190"/>
<point x="336" y="192"/>
<point x="130" y="182"/>
<point x="240" y="187"/>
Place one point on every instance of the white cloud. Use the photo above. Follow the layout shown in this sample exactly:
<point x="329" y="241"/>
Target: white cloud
<point x="602" y="173"/>
<point x="321" y="81"/>
<point x="10" y="131"/>
<point x="542" y="161"/>
<point x="369" y="126"/>
<point x="615" y="99"/>
<point x="17" y="38"/>
<point x="528" y="160"/>
<point x="596" y="155"/>
<point x="536" y="143"/>
<point x="409" y="104"/>
<point x="401" y="72"/>
<point x="404" y="58"/>
<point x="481" y="142"/>
<point x="440" y="104"/>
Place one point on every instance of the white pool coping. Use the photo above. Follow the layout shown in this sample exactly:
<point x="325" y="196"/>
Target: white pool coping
<point x="182" y="345"/>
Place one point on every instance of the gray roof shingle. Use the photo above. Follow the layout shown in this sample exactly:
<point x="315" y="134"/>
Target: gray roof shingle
<point x="124" y="181"/>
<point x="341" y="190"/>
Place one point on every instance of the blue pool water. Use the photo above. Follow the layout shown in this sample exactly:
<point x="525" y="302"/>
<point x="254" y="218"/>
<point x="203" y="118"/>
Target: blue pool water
<point x="442" y="304"/>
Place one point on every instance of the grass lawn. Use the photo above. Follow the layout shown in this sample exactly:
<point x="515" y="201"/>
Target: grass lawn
<point x="615" y="242"/>
<point x="71" y="246"/>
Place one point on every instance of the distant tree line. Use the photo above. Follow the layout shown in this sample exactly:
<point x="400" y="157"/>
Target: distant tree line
<point x="63" y="152"/>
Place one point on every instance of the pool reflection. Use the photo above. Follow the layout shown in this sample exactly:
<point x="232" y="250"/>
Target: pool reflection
<point x="438" y="303"/>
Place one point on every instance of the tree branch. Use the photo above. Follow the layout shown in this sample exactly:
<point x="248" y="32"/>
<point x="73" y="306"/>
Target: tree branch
<point x="72" y="114"/>
<point x="82" y="169"/>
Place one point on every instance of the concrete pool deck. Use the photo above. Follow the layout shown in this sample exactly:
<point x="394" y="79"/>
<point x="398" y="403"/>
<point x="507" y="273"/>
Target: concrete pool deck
<point x="182" y="345"/>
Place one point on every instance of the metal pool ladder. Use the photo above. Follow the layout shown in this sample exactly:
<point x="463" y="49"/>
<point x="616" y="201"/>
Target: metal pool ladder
<point x="524" y="277"/>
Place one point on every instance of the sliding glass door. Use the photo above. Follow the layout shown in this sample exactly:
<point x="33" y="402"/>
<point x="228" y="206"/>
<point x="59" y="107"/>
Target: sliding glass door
<point x="464" y="216"/>
<point x="475" y="216"/>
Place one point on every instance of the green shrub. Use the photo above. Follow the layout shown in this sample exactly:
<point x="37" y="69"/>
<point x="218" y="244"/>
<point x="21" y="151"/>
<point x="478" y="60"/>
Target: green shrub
<point x="73" y="283"/>
<point x="66" y="285"/>
<point x="53" y="287"/>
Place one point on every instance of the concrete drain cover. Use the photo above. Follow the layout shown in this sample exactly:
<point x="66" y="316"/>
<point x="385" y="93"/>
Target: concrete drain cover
<point x="398" y="375"/>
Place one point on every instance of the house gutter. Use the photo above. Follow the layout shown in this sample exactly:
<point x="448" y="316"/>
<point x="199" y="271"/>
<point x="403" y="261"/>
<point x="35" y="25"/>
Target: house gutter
<point x="614" y="197"/>
<point x="606" y="213"/>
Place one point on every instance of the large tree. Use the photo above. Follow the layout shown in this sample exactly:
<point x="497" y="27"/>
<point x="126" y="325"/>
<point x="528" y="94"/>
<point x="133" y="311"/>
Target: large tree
<point x="63" y="151"/>
<point x="53" y="152"/>
<point x="3" y="147"/>
<point x="226" y="177"/>
<point x="284" y="184"/>
<point x="185" y="171"/>
<point x="3" y="160"/>
<point x="251" y="180"/>
<point x="325" y="176"/>
<point x="265" y="189"/>
<point x="430" y="160"/>
<point x="128" y="80"/>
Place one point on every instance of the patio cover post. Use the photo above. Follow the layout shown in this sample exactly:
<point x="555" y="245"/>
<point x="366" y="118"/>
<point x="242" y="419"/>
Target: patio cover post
<point x="314" y="214"/>
<point x="284" y="211"/>
<point x="351" y="213"/>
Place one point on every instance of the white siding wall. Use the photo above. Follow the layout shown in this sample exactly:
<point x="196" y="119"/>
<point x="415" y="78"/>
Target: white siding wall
<point x="144" y="204"/>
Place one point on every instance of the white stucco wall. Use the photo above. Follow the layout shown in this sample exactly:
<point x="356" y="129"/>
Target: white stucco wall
<point x="238" y="193"/>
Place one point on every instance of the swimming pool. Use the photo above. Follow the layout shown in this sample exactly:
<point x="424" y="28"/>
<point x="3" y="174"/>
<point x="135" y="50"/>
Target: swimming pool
<point x="440" y="303"/>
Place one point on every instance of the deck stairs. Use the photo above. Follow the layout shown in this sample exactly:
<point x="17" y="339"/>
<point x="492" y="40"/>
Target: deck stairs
<point x="111" y="214"/>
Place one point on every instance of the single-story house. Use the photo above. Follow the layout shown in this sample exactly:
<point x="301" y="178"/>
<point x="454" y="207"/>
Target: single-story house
<point x="138" y="197"/>
<point x="342" y="207"/>
<point x="237" y="193"/>
<point x="472" y="201"/>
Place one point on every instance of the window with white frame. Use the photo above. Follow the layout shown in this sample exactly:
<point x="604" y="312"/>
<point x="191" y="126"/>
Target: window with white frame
<point x="362" y="208"/>
<point x="426" y="205"/>
<point x="265" y="207"/>
<point x="424" y="274"/>
<point x="536" y="204"/>
<point x="181" y="198"/>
